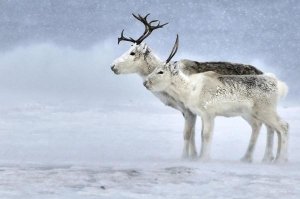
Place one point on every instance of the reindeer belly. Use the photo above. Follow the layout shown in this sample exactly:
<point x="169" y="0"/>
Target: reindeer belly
<point x="228" y="108"/>
<point x="231" y="109"/>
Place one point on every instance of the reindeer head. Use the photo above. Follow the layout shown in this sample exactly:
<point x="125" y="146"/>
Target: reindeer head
<point x="161" y="77"/>
<point x="135" y="58"/>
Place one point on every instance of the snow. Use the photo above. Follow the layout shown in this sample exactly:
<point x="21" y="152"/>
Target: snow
<point x="133" y="151"/>
<point x="71" y="129"/>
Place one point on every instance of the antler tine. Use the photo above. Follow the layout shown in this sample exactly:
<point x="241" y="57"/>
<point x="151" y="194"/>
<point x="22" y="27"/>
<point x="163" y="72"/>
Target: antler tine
<point x="174" y="49"/>
<point x="137" y="17"/>
<point x="153" y="21"/>
<point x="145" y="17"/>
<point x="140" y="18"/>
<point x="158" y="25"/>
<point x="122" y="38"/>
<point x="161" y="26"/>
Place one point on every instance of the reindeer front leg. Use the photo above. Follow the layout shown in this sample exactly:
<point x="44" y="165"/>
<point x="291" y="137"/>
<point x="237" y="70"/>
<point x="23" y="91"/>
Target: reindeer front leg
<point x="206" y="135"/>
<point x="189" y="149"/>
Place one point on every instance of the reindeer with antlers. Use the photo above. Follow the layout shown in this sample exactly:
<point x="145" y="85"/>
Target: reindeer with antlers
<point x="141" y="60"/>
<point x="209" y="94"/>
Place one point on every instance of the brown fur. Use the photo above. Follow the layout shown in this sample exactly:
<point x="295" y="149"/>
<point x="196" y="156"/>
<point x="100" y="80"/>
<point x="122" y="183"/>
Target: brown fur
<point x="225" y="68"/>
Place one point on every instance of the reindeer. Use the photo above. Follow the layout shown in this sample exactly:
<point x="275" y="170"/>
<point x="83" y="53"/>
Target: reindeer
<point x="141" y="60"/>
<point x="209" y="94"/>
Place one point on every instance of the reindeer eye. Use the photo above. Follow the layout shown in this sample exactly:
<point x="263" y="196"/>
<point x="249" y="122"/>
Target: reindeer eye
<point x="160" y="72"/>
<point x="132" y="53"/>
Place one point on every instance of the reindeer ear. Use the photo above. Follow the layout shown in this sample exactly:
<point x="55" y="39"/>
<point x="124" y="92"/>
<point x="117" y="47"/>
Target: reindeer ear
<point x="144" y="47"/>
<point x="174" y="68"/>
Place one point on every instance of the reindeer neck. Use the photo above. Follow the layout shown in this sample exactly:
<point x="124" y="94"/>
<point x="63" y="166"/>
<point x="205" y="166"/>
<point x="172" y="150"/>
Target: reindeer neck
<point x="181" y="86"/>
<point x="151" y="62"/>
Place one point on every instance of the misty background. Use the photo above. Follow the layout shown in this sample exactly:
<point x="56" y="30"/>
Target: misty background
<point x="54" y="50"/>
<point x="71" y="128"/>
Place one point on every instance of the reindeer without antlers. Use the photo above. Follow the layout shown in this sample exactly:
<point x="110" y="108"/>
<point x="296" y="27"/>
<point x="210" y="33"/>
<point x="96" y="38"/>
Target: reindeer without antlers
<point x="141" y="60"/>
<point x="209" y="94"/>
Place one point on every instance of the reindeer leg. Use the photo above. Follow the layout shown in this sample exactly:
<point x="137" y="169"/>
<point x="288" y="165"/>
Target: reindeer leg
<point x="271" y="119"/>
<point x="189" y="149"/>
<point x="256" y="126"/>
<point x="207" y="130"/>
<point x="268" y="156"/>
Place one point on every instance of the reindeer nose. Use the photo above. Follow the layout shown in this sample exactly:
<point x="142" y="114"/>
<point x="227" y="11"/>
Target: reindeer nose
<point x="146" y="84"/>
<point x="112" y="67"/>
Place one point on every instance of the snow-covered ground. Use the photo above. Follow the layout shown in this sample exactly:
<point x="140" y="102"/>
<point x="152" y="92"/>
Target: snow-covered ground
<point x="133" y="151"/>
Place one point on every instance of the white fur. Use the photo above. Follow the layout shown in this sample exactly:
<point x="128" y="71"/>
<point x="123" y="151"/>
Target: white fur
<point x="128" y="64"/>
<point x="282" y="89"/>
<point x="206" y="96"/>
<point x="143" y="62"/>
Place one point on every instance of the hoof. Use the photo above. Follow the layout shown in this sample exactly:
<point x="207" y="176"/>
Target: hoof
<point x="268" y="159"/>
<point x="246" y="160"/>
<point x="184" y="156"/>
<point x="281" y="161"/>
<point x="193" y="156"/>
<point x="204" y="159"/>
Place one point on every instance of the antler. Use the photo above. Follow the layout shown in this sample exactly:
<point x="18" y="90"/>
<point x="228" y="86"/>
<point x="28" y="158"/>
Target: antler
<point x="174" y="49"/>
<point x="122" y="38"/>
<point x="148" y="26"/>
<point x="148" y="29"/>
